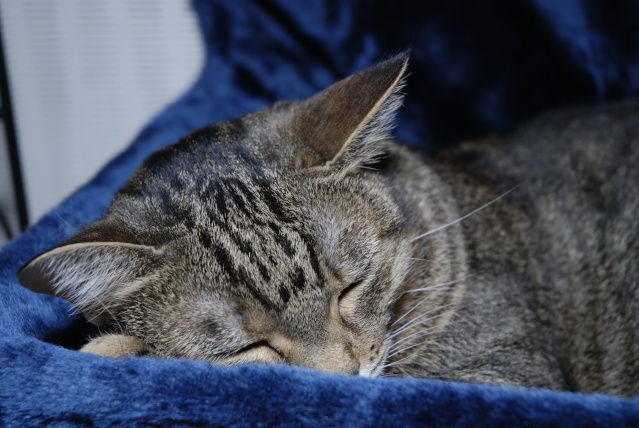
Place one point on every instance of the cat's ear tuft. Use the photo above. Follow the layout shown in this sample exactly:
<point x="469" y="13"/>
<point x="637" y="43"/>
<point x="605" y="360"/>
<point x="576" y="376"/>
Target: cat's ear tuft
<point x="346" y="124"/>
<point x="93" y="276"/>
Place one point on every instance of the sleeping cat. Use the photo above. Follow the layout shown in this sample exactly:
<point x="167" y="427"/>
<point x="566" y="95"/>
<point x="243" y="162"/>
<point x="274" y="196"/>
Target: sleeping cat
<point x="302" y="234"/>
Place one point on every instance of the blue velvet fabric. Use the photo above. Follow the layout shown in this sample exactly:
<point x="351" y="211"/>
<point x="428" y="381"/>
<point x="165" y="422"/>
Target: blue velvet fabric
<point x="476" y="67"/>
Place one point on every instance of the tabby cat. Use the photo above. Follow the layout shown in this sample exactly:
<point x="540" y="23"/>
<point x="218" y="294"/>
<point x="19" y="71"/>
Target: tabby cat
<point x="303" y="234"/>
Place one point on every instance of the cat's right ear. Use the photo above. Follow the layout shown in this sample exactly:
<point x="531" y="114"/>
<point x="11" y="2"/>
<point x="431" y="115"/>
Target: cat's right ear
<point x="346" y="124"/>
<point x="94" y="276"/>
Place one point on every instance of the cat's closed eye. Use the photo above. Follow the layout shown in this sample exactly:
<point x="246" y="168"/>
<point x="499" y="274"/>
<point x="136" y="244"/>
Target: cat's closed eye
<point x="347" y="300"/>
<point x="261" y="351"/>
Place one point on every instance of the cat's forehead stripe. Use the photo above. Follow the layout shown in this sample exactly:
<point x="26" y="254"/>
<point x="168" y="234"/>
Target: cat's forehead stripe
<point x="220" y="203"/>
<point x="284" y="294"/>
<point x="205" y="239"/>
<point x="273" y="204"/>
<point x="239" y="277"/>
<point x="256" y="243"/>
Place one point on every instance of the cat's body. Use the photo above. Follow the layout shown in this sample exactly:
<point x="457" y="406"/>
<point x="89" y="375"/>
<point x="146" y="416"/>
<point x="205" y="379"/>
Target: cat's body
<point x="300" y="234"/>
<point x="551" y="294"/>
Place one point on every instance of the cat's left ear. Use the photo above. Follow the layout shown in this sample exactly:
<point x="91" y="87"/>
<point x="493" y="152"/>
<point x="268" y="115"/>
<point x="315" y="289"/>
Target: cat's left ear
<point x="93" y="275"/>
<point x="346" y="124"/>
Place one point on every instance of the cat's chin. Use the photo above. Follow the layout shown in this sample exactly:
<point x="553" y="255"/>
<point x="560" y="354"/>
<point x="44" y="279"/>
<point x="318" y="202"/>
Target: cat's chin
<point x="370" y="371"/>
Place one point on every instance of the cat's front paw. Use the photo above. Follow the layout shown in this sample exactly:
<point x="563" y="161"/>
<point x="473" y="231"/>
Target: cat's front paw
<point x="116" y="345"/>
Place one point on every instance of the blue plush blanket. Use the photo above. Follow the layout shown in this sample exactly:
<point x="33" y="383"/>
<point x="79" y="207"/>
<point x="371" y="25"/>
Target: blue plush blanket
<point x="477" y="67"/>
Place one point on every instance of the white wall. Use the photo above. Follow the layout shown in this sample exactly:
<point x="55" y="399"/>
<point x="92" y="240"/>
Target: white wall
<point x="85" y="76"/>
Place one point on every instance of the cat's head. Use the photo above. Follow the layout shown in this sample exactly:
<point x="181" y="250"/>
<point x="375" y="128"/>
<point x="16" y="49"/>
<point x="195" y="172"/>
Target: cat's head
<point x="266" y="239"/>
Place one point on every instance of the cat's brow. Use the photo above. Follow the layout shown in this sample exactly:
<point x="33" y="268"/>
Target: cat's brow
<point x="464" y="217"/>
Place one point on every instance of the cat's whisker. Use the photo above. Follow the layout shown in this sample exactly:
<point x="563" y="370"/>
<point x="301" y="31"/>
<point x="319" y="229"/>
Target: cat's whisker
<point x="431" y="288"/>
<point x="416" y="305"/>
<point x="414" y="323"/>
<point x="400" y="351"/>
<point x="63" y="220"/>
<point x="430" y="340"/>
<point x="443" y="285"/>
<point x="108" y="311"/>
<point x="420" y="301"/>
<point x="421" y="322"/>
<point x="415" y="320"/>
<point x="410" y="336"/>
<point x="395" y="345"/>
<point x="395" y="363"/>
<point x="398" y="362"/>
<point x="464" y="217"/>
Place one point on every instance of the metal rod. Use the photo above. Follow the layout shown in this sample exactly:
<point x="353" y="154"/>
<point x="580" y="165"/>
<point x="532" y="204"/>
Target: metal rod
<point x="12" y="140"/>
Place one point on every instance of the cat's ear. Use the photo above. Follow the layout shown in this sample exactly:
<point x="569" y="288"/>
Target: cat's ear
<point x="93" y="276"/>
<point x="346" y="124"/>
